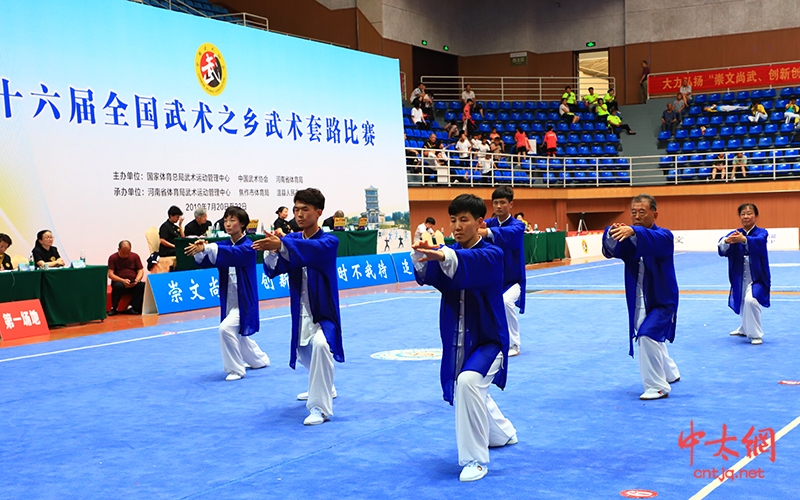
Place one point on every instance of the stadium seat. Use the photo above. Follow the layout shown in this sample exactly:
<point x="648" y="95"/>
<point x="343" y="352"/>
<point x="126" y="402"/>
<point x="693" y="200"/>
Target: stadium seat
<point x="687" y="122"/>
<point x="517" y="105"/>
<point x="553" y="116"/>
<point x="726" y="131"/>
<point x="743" y="95"/>
<point x="701" y="120"/>
<point x="584" y="151"/>
<point x="666" y="162"/>
<point x="734" y="144"/>
<point x="600" y="137"/>
<point x="562" y="127"/>
<point x="695" y="133"/>
<point x="781" y="141"/>
<point x="786" y="128"/>
<point x="739" y="131"/>
<point x="598" y="150"/>
<point x="440" y="105"/>
<point x="508" y="139"/>
<point x="490" y="115"/>
<point x="688" y="147"/>
<point x="745" y="118"/>
<point x="681" y="134"/>
<point x="710" y="132"/>
<point x="783" y="169"/>
<point x="697" y="160"/>
<point x="576" y="127"/>
<point x="449" y="116"/>
<point x="521" y="177"/>
<point x="728" y="97"/>
<point x="571" y="151"/>
<point x="505" y="105"/>
<point x="688" y="174"/>
<point x="530" y="105"/>
<point x="516" y="116"/>
<point x="780" y="104"/>
<point x="492" y="105"/>
<point x="755" y="130"/>
<point x="673" y="147"/>
<point x="671" y="175"/>
<point x="750" y="143"/>
<point x="456" y="105"/>
<point x="606" y="176"/>
<point x="757" y="95"/>
<point x="503" y="116"/>
<point x="700" y="99"/>
<point x="554" y="104"/>
<point x="771" y="128"/>
<point x="703" y="146"/>
<point x="769" y="94"/>
<point x="731" y="119"/>
<point x="541" y="116"/>
<point x="612" y="138"/>
<point x="764" y="142"/>
<point x="716" y="120"/>
<point x="776" y="116"/>
<point x="695" y="110"/>
<point x="623" y="176"/>
<point x="538" y="127"/>
<point x="542" y="105"/>
<point x="787" y="92"/>
<point x="703" y="173"/>
<point x="588" y="126"/>
<point x="768" y="105"/>
<point x="664" y="135"/>
<point x="682" y="160"/>
<point x="713" y="98"/>
<point x="610" y="150"/>
<point x="758" y="157"/>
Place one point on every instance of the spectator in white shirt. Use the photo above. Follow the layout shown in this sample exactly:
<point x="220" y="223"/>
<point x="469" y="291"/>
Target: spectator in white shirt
<point x="466" y="96"/>
<point x="463" y="146"/>
<point x="417" y="93"/>
<point x="686" y="90"/>
<point x="418" y="117"/>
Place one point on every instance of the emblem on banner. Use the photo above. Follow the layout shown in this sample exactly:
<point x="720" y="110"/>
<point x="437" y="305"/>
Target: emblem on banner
<point x="210" y="68"/>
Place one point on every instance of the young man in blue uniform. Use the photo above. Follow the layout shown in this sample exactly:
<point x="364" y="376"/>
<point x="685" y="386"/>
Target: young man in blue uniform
<point x="748" y="271"/>
<point x="651" y="292"/>
<point x="508" y="233"/>
<point x="309" y="257"/>
<point x="238" y="293"/>
<point x="474" y="332"/>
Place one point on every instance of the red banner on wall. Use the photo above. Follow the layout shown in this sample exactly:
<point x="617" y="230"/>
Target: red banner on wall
<point x="771" y="75"/>
<point x="22" y="319"/>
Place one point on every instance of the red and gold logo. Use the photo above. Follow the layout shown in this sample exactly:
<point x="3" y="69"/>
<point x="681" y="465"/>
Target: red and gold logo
<point x="210" y="68"/>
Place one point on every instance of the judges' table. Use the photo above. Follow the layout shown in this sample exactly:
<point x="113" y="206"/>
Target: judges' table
<point x="352" y="243"/>
<point x="539" y="247"/>
<point x="67" y="295"/>
<point x="184" y="263"/>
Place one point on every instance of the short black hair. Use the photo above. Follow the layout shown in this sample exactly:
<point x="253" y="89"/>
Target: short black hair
<point x="280" y="209"/>
<point x="430" y="220"/>
<point x="639" y="198"/>
<point x="40" y="234"/>
<point x="549" y="127"/>
<point x="591" y="88"/>
<point x="173" y="210"/>
<point x="467" y="203"/>
<point x="311" y="196"/>
<point x="503" y="192"/>
<point x="239" y="213"/>
<point x="739" y="211"/>
<point x="518" y="214"/>
<point x="5" y="238"/>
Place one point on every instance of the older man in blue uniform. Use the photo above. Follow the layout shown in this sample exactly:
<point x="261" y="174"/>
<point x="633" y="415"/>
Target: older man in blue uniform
<point x="474" y="332"/>
<point x="651" y="292"/>
<point x="748" y="271"/>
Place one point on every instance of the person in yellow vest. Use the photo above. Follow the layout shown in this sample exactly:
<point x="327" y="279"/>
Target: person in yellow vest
<point x="792" y="113"/>
<point x="601" y="110"/>
<point x="591" y="99"/>
<point x="571" y="98"/>
<point x="615" y="122"/>
<point x="611" y="99"/>
<point x="759" y="113"/>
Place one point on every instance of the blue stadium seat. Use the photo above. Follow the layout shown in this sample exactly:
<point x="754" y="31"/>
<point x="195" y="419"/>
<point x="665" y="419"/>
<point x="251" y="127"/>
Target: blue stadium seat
<point x="550" y="179"/>
<point x="666" y="161"/>
<point x="703" y="146"/>
<point x="562" y="138"/>
<point x="553" y="115"/>
<point x="612" y="138"/>
<point x="576" y="127"/>
<point x="681" y="134"/>
<point x="757" y="95"/>
<point x="540" y="164"/>
<point x="505" y="105"/>
<point x="511" y="127"/>
<point x="508" y="139"/>
<point x="758" y="157"/>
<point x="440" y="105"/>
<point x="503" y="116"/>
<point x="562" y="127"/>
<point x="769" y="94"/>
<point x="776" y="116"/>
<point x="590" y="126"/>
<point x="755" y="130"/>
<point x="569" y="163"/>
<point x="695" y="133"/>
<point x="623" y="176"/>
<point x="587" y="138"/>
<point x="716" y="120"/>
<point x="780" y="104"/>
<point x="671" y="174"/>
<point x="687" y="122"/>
<point x="571" y="151"/>
<point x="492" y="105"/>
<point x="726" y="131"/>
<point x="580" y="177"/>
<point x="673" y="147"/>
<point x="521" y="177"/>
<point x="745" y="118"/>
<point x="527" y="116"/>
<point x="490" y="115"/>
<point x="713" y="98"/>
<point x="560" y="151"/>
<point x="703" y="173"/>
<point x="787" y="92"/>
<point x="500" y="127"/>
<point x="606" y="177"/>
<point x="542" y="105"/>
<point x="750" y="143"/>
<point x="768" y="105"/>
<point x="734" y="144"/>
<point x="764" y="142"/>
<point x="455" y="105"/>
<point x="526" y="127"/>
<point x="701" y="120"/>
<point x="502" y="176"/>
<point x="781" y="141"/>
<point x="538" y="127"/>
<point x="682" y="160"/>
<point x="710" y="132"/>
<point x="700" y="99"/>
<point x="688" y="174"/>
<point x="565" y="177"/>
<point x="526" y="164"/>
<point x="739" y="131"/>
<point x="664" y="135"/>
<point x="516" y="116"/>
<point x="623" y="163"/>
<point x="728" y="97"/>
<point x="695" y="110"/>
<point x="755" y="170"/>
<point x="731" y="119"/>
<point x="610" y="150"/>
<point x="697" y="160"/>
<point x="407" y="122"/>
<point x="786" y="128"/>
<point x="573" y="138"/>
<point x="584" y="151"/>
<point x="771" y="128"/>
<point x="783" y="169"/>
<point x="517" y="105"/>
<point x="743" y="95"/>
<point x="599" y="137"/>
<point x="530" y="104"/>
<point x="541" y="116"/>
<point x="476" y="117"/>
<point x="598" y="150"/>
<point x="554" y="104"/>
<point x="688" y="147"/>
<point x="449" y="116"/>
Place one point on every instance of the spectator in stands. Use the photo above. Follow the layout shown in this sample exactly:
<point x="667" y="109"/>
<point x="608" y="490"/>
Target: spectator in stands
<point x="412" y="167"/>
<point x="417" y="93"/>
<point x="463" y="146"/>
<point x="615" y="122"/>
<point x="643" y="83"/>
<point x="591" y="99"/>
<point x="432" y="152"/>
<point x="418" y="117"/>
<point x="686" y="90"/>
<point x="521" y="143"/>
<point x="566" y="114"/>
<point x="5" y="260"/>
<point x="125" y="271"/>
<point x="679" y="105"/>
<point x="792" y="113"/>
<point x="452" y="129"/>
<point x="466" y="117"/>
<point x="521" y="217"/>
<point x="725" y="108"/>
<point x="669" y="119"/>
<point x="610" y="99"/>
<point x="44" y="252"/>
<point x="486" y="165"/>
<point x="493" y="134"/>
<point x="496" y="147"/>
<point x="739" y="162"/>
<point x="572" y="99"/>
<point x="469" y="94"/>
<point x="550" y="141"/>
<point x="169" y="231"/>
<point x="476" y="142"/>
<point x="425" y="227"/>
<point x="427" y="106"/>
<point x="602" y="110"/>
<point x="759" y="113"/>
<point x="719" y="167"/>
<point x="199" y="225"/>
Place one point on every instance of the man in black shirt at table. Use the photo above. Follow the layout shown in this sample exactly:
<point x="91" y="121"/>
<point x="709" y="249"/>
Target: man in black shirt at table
<point x="199" y="225"/>
<point x="169" y="231"/>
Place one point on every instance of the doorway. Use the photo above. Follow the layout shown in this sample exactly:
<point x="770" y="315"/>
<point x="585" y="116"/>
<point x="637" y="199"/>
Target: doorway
<point x="593" y="72"/>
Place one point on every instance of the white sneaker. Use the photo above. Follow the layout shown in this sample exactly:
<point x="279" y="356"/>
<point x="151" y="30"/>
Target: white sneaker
<point x="316" y="417"/>
<point x="511" y="440"/>
<point x="737" y="333"/>
<point x="756" y="341"/>
<point x="303" y="396"/>
<point x="472" y="472"/>
<point x="513" y="351"/>
<point x="653" y="393"/>
<point x="233" y="376"/>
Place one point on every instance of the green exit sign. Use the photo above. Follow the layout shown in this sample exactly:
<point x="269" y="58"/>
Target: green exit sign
<point x="590" y="44"/>
<point x="519" y="58"/>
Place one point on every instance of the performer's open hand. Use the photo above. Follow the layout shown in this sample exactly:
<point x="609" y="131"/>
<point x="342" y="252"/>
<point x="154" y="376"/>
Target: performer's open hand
<point x="279" y="233"/>
<point x="195" y="248"/>
<point x="621" y="231"/>
<point x="428" y="251"/>
<point x="269" y="242"/>
<point x="736" y="237"/>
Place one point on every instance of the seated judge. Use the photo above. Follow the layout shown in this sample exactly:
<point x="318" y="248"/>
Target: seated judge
<point x="125" y="271"/>
<point x="44" y="252"/>
<point x="199" y="225"/>
<point x="329" y="222"/>
<point x="281" y="222"/>
<point x="169" y="231"/>
<point x="5" y="260"/>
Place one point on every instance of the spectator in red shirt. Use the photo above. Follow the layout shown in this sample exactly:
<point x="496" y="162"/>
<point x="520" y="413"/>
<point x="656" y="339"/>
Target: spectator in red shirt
<point x="521" y="142"/>
<point x="550" y="141"/>
<point x="643" y="83"/>
<point x="126" y="272"/>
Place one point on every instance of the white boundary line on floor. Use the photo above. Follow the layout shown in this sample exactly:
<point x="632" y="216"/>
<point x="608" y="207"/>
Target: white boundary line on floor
<point x="589" y="296"/>
<point x="741" y="463"/>
<point x="164" y="335"/>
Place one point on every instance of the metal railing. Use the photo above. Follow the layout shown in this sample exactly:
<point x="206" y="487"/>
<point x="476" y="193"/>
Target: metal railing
<point x="448" y="167"/>
<point x="240" y="18"/>
<point x="506" y="88"/>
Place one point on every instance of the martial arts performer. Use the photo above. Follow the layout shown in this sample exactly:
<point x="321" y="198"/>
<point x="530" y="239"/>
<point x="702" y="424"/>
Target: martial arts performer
<point x="748" y="271"/>
<point x="310" y="259"/>
<point x="508" y="233"/>
<point x="651" y="291"/>
<point x="474" y="332"/>
<point x="238" y="293"/>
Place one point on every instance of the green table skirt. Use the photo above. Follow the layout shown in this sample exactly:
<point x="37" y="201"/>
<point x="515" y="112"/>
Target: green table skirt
<point x="185" y="263"/>
<point x="356" y="242"/>
<point x="539" y="247"/>
<point x="68" y="296"/>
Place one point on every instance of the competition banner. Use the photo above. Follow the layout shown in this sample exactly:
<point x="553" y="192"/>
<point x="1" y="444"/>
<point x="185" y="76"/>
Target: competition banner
<point x="112" y="111"/>
<point x="724" y="79"/>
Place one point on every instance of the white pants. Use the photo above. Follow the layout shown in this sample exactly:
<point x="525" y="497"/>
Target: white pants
<point x="238" y="349"/>
<point x="790" y="117"/>
<point x="510" y="298"/>
<point x="317" y="357"/>
<point x="757" y="117"/>
<point x="750" y="312"/>
<point x="479" y="422"/>
<point x="655" y="365"/>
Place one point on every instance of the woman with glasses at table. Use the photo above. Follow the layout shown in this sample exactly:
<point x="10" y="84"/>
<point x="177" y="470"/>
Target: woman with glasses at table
<point x="5" y="260"/>
<point x="44" y="252"/>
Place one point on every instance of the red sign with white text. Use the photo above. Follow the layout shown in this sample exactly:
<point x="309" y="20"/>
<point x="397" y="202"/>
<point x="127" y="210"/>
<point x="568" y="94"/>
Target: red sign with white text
<point x="771" y="75"/>
<point x="22" y="319"/>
